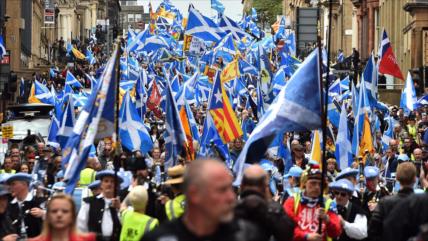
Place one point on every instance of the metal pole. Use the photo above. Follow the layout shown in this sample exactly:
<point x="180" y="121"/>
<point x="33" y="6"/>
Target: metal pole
<point x="116" y="160"/>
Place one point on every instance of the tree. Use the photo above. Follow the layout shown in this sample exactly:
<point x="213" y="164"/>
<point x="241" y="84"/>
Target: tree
<point x="267" y="10"/>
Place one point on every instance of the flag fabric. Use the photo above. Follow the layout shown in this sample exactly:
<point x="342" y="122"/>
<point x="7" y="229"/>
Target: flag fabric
<point x="185" y="120"/>
<point x="72" y="81"/>
<point x="280" y="34"/>
<point x="67" y="123"/>
<point x="388" y="63"/>
<point x="289" y="112"/>
<point x="175" y="137"/>
<point x="260" y="102"/>
<point x="22" y="87"/>
<point x="2" y="47"/>
<point x="362" y="108"/>
<point x="408" y="97"/>
<point x="388" y="134"/>
<point x="278" y="82"/>
<point x="340" y="57"/>
<point x="343" y="151"/>
<point x="222" y="113"/>
<point x="218" y="6"/>
<point x="203" y="27"/>
<point x="40" y="94"/>
<point x="230" y="72"/>
<point x="316" y="147"/>
<point x="133" y="134"/>
<point x="155" y="97"/>
<point x="370" y="77"/>
<point x="96" y="120"/>
<point x="230" y="26"/>
<point x="366" y="143"/>
<point x="247" y="68"/>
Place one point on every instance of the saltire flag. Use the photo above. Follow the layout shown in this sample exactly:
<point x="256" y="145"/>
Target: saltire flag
<point x="96" y="120"/>
<point x="203" y="27"/>
<point x="2" y="47"/>
<point x="230" y="72"/>
<point x="290" y="43"/>
<point x="289" y="112"/>
<point x="138" y="41"/>
<point x="67" y="123"/>
<point x="260" y="102"/>
<point x="280" y="34"/>
<point x="141" y="94"/>
<point x="133" y="134"/>
<point x="253" y="14"/>
<point x="131" y="35"/>
<point x="72" y="81"/>
<point x="388" y="134"/>
<point x="230" y="26"/>
<point x="40" y="94"/>
<point x="340" y="57"/>
<point x="22" y="87"/>
<point x="370" y="77"/>
<point x="344" y="84"/>
<point x="225" y="49"/>
<point x="218" y="6"/>
<point x="90" y="56"/>
<point x="366" y="143"/>
<point x="222" y="113"/>
<point x="408" y="97"/>
<point x="247" y="68"/>
<point x="388" y="63"/>
<point x="278" y="82"/>
<point x="343" y="151"/>
<point x="264" y="67"/>
<point x="335" y="88"/>
<point x="175" y="137"/>
<point x="163" y="23"/>
<point x="53" y="131"/>
<point x="333" y="112"/>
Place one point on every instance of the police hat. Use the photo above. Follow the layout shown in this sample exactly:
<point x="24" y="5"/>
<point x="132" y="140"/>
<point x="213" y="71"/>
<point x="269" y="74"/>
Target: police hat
<point x="175" y="175"/>
<point x="294" y="172"/>
<point x="347" y="172"/>
<point x="108" y="173"/>
<point x="20" y="176"/>
<point x="95" y="184"/>
<point x="342" y="185"/>
<point x="371" y="172"/>
<point x="4" y="190"/>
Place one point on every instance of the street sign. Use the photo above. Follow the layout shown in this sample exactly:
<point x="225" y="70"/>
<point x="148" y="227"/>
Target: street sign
<point x="49" y="16"/>
<point x="7" y="131"/>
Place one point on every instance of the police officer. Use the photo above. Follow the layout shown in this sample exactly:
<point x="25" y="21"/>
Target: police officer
<point x="135" y="222"/>
<point x="175" y="208"/>
<point x="99" y="214"/>
<point x="25" y="210"/>
<point x="352" y="217"/>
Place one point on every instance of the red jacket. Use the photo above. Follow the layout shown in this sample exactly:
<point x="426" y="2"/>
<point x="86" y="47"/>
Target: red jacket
<point x="73" y="237"/>
<point x="306" y="221"/>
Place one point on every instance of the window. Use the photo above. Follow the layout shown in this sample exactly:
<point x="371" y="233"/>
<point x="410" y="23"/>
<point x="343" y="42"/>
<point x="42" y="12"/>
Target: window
<point x="130" y="17"/>
<point x="137" y="17"/>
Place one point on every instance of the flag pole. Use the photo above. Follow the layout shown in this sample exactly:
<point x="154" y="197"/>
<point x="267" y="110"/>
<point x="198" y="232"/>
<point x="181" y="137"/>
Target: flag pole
<point x="116" y="158"/>
<point x="324" y="102"/>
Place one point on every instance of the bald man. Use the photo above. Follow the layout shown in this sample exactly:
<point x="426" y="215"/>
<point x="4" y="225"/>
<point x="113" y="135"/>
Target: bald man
<point x="256" y="206"/>
<point x="209" y="212"/>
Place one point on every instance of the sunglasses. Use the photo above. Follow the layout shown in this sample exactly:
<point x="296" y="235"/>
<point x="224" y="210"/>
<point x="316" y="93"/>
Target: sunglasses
<point x="343" y="194"/>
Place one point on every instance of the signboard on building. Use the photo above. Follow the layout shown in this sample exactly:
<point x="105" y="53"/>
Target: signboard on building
<point x="306" y="29"/>
<point x="49" y="15"/>
<point x="7" y="131"/>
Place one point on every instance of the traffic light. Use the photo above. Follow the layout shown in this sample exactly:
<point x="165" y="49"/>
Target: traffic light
<point x="13" y="83"/>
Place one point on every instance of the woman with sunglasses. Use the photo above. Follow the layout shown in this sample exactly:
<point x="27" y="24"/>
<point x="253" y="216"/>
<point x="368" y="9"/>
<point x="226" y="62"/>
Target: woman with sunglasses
<point x="60" y="221"/>
<point x="352" y="217"/>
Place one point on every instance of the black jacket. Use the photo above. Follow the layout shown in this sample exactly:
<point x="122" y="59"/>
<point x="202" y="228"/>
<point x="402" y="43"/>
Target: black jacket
<point x="406" y="217"/>
<point x="33" y="225"/>
<point x="382" y="211"/>
<point x="268" y="217"/>
<point x="6" y="226"/>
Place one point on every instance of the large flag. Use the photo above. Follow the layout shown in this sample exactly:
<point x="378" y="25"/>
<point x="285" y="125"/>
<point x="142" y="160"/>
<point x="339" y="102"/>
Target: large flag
<point x="366" y="143"/>
<point x="96" y="120"/>
<point x="2" y="47"/>
<point x="40" y="94"/>
<point x="289" y="112"/>
<point x="230" y="26"/>
<point x="230" y="72"/>
<point x="363" y="107"/>
<point x="175" y="137"/>
<point x="370" y="77"/>
<point x="343" y="151"/>
<point x="155" y="97"/>
<point x="203" y="27"/>
<point x="133" y="134"/>
<point x="67" y="123"/>
<point x="388" y="63"/>
<point x="408" y="97"/>
<point x="223" y="115"/>
<point x="72" y="81"/>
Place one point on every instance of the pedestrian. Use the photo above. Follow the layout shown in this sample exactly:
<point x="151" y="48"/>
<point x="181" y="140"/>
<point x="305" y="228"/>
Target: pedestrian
<point x="100" y="214"/>
<point x="292" y="181"/>
<point x="305" y="210"/>
<point x="406" y="176"/>
<point x="353" y="218"/>
<point x="25" y="210"/>
<point x="174" y="208"/>
<point x="210" y="201"/>
<point x="255" y="206"/>
<point x="60" y="221"/>
<point x="7" y="230"/>
<point x="135" y="223"/>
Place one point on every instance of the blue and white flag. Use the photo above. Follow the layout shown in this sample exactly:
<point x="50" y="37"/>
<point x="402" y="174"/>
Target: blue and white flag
<point x="133" y="134"/>
<point x="408" y="97"/>
<point x="72" y="81"/>
<point x="2" y="47"/>
<point x="278" y="82"/>
<point x="96" y="120"/>
<point x="247" y="68"/>
<point x="137" y="43"/>
<point x="288" y="112"/>
<point x="388" y="134"/>
<point x="260" y="102"/>
<point x="218" y="6"/>
<point x="67" y="123"/>
<point x="203" y="27"/>
<point x="53" y="131"/>
<point x="362" y="108"/>
<point x="344" y="84"/>
<point x="253" y="14"/>
<point x="340" y="57"/>
<point x="370" y="77"/>
<point x="175" y="137"/>
<point x="230" y="26"/>
<point x="343" y="143"/>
